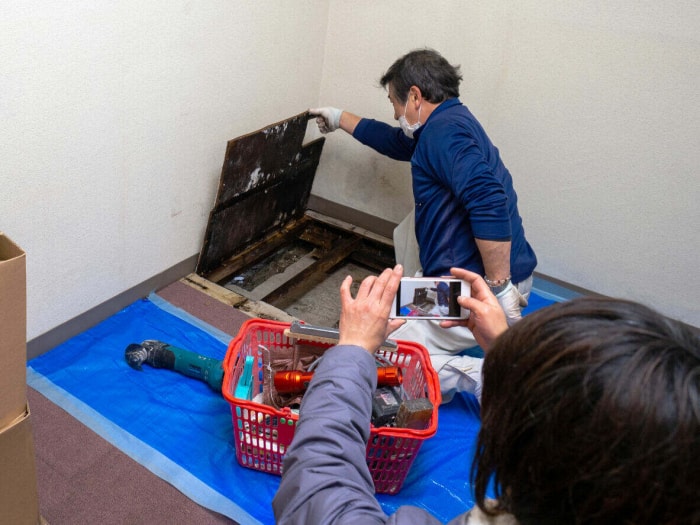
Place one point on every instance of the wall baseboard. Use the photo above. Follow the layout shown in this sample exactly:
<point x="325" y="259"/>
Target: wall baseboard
<point x="99" y="313"/>
<point x="557" y="289"/>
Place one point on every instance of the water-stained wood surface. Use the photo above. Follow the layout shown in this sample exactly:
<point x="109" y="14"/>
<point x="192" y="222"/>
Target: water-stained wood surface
<point x="265" y="183"/>
<point x="264" y="245"/>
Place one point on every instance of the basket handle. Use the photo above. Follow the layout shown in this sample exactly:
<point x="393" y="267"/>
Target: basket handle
<point x="321" y="334"/>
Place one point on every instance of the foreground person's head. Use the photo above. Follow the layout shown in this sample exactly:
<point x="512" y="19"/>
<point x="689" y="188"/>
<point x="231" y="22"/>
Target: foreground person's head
<point x="591" y="414"/>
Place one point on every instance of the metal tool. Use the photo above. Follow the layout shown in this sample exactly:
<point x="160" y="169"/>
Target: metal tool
<point x="321" y="334"/>
<point x="297" y="381"/>
<point x="162" y="355"/>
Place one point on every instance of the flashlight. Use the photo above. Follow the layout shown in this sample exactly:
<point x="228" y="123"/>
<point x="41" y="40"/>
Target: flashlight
<point x="294" y="381"/>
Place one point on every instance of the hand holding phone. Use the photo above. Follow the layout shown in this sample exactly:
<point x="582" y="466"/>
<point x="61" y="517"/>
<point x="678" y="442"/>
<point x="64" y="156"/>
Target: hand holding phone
<point x="430" y="298"/>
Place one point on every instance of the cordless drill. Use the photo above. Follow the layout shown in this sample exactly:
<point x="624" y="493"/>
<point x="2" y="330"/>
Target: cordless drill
<point x="162" y="355"/>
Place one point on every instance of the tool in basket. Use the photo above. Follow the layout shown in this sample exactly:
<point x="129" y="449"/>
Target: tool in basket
<point x="321" y="334"/>
<point x="291" y="381"/>
<point x="263" y="433"/>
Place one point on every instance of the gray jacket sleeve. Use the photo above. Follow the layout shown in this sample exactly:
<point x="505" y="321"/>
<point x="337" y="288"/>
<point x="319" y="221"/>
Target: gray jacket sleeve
<point x="326" y="478"/>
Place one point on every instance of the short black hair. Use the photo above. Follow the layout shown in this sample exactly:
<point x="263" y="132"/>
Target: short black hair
<point x="436" y="78"/>
<point x="591" y="414"/>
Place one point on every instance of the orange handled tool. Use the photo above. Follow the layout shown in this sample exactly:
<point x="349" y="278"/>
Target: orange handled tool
<point x="292" y="381"/>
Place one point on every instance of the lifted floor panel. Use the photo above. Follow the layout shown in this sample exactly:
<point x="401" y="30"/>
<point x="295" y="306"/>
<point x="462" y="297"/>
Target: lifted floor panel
<point x="262" y="243"/>
<point x="265" y="183"/>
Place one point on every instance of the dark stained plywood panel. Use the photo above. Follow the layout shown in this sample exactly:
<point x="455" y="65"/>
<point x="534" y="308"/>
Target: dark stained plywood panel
<point x="265" y="182"/>
<point x="261" y="158"/>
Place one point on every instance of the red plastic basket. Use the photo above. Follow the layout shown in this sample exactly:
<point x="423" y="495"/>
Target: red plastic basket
<point x="262" y="433"/>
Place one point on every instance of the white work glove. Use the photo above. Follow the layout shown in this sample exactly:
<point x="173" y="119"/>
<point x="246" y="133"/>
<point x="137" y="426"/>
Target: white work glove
<point x="328" y="119"/>
<point x="512" y="303"/>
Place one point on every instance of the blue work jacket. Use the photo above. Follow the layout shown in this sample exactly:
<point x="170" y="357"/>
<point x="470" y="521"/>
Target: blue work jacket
<point x="461" y="188"/>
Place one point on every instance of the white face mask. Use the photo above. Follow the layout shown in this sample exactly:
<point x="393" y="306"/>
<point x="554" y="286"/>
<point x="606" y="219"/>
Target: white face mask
<point x="407" y="128"/>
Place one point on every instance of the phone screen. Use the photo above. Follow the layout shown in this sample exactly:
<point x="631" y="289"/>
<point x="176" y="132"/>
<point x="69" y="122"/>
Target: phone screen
<point x="429" y="298"/>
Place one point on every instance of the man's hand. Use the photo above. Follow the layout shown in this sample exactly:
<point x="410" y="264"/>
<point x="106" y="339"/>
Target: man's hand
<point x="486" y="317"/>
<point x="512" y="302"/>
<point x="327" y="119"/>
<point x="364" y="320"/>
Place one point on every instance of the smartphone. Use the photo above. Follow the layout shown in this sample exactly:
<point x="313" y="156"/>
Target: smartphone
<point x="430" y="298"/>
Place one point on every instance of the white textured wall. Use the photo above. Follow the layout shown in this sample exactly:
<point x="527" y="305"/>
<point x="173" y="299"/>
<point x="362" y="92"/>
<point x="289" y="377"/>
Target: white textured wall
<point x="595" y="107"/>
<point x="115" y="118"/>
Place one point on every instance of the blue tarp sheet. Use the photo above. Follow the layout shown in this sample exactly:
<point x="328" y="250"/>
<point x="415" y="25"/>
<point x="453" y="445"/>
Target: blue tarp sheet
<point x="181" y="430"/>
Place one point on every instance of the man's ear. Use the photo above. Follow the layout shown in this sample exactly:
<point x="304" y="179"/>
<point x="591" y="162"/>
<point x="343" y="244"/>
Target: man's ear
<point x="414" y="95"/>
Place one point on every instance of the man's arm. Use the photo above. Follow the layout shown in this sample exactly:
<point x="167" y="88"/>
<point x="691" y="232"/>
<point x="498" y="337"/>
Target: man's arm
<point x="349" y="121"/>
<point x="326" y="478"/>
<point x="496" y="258"/>
<point x="380" y="136"/>
<point x="485" y="199"/>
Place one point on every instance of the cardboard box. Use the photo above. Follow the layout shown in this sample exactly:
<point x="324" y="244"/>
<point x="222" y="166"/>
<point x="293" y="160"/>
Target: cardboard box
<point x="13" y="327"/>
<point x="19" y="500"/>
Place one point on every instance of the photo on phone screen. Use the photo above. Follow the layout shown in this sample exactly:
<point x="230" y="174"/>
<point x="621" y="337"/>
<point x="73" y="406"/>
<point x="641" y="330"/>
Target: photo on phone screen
<point x="429" y="298"/>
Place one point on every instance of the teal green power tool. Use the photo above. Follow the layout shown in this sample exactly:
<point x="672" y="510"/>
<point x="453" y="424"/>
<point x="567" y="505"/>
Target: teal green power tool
<point x="162" y="355"/>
